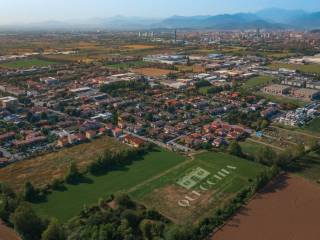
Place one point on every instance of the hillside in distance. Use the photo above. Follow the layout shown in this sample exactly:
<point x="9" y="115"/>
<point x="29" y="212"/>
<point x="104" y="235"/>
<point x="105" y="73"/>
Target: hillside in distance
<point x="272" y="18"/>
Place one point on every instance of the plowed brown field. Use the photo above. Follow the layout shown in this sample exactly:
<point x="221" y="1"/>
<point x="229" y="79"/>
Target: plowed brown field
<point x="7" y="233"/>
<point x="288" y="209"/>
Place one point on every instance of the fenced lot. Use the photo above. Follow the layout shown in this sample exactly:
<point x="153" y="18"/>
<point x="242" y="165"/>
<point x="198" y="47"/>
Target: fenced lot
<point x="190" y="192"/>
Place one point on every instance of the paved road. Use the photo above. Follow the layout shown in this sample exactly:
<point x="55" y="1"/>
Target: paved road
<point x="161" y="144"/>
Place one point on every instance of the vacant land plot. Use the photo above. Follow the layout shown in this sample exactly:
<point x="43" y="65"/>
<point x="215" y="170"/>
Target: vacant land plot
<point x="27" y="63"/>
<point x="258" y="81"/>
<point x="138" y="47"/>
<point x="194" y="68"/>
<point x="69" y="202"/>
<point x="282" y="99"/>
<point x="43" y="169"/>
<point x="190" y="192"/>
<point x="309" y="68"/>
<point x="287" y="209"/>
<point x="293" y="136"/>
<point x="127" y="65"/>
<point x="153" y="72"/>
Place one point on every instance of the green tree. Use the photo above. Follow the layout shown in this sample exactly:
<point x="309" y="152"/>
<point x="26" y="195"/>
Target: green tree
<point x="235" y="149"/>
<point x="73" y="174"/>
<point x="27" y="223"/>
<point x="266" y="156"/>
<point x="54" y="231"/>
<point x="30" y="193"/>
<point x="146" y="229"/>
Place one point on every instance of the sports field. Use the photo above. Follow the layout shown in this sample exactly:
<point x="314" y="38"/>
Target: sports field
<point x="65" y="204"/>
<point x="194" y="190"/>
<point x="27" y="63"/>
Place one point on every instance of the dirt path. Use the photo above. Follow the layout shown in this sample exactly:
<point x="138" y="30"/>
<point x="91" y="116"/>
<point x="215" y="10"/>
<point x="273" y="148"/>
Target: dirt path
<point x="288" y="209"/>
<point x="7" y="233"/>
<point x="266" y="144"/>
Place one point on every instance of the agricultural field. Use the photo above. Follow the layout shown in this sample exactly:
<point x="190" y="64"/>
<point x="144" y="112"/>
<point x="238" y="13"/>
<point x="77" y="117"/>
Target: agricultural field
<point x="309" y="68"/>
<point x="65" y="204"/>
<point x="153" y="72"/>
<point x="7" y="233"/>
<point x="194" y="68"/>
<point x="138" y="47"/>
<point x="127" y="65"/>
<point x="27" y="63"/>
<point x="194" y="190"/>
<point x="43" y="169"/>
<point x="258" y="81"/>
<point x="288" y="208"/>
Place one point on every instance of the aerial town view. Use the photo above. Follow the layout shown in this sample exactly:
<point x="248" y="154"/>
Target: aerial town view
<point x="159" y="120"/>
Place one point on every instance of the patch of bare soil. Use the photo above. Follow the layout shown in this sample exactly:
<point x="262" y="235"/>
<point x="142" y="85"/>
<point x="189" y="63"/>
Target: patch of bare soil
<point x="6" y="233"/>
<point x="287" y="209"/>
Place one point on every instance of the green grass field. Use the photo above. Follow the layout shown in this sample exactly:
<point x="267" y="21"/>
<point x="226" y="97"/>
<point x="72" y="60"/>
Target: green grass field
<point x="165" y="193"/>
<point x="310" y="68"/>
<point x="63" y="205"/>
<point x="251" y="148"/>
<point x="282" y="99"/>
<point x="313" y="126"/>
<point x="204" y="90"/>
<point x="308" y="167"/>
<point x="127" y="65"/>
<point x="258" y="81"/>
<point x="27" y="63"/>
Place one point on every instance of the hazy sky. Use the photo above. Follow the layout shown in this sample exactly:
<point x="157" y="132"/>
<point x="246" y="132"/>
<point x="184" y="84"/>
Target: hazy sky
<point x="14" y="11"/>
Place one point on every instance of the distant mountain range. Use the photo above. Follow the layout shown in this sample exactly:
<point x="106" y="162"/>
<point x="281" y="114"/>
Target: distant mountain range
<point x="272" y="18"/>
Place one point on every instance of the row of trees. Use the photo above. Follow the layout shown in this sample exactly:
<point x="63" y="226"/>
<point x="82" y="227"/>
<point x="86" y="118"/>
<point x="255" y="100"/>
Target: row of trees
<point x="110" y="160"/>
<point x="124" y="220"/>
